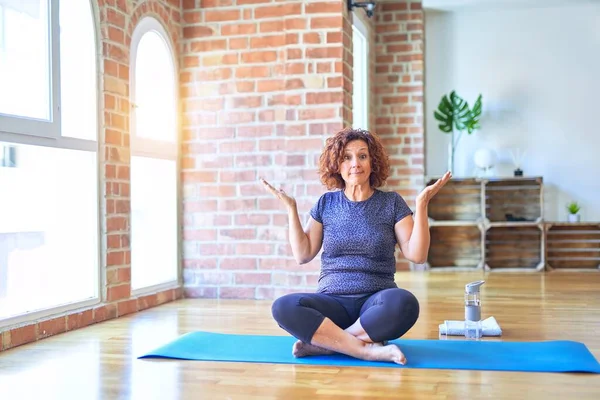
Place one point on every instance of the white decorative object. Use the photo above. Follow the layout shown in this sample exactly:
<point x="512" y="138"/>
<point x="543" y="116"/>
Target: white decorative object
<point x="485" y="159"/>
<point x="518" y="161"/>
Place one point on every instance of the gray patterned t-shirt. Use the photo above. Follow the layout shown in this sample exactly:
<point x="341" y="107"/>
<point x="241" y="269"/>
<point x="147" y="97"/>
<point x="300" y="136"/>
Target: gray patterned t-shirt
<point x="358" y="241"/>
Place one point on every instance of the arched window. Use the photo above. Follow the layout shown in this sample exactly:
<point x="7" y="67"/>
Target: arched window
<point x="49" y="231"/>
<point x="154" y="143"/>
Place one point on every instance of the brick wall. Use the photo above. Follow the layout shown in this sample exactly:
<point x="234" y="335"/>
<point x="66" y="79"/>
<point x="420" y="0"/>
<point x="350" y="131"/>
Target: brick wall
<point x="117" y="19"/>
<point x="264" y="83"/>
<point x="399" y="95"/>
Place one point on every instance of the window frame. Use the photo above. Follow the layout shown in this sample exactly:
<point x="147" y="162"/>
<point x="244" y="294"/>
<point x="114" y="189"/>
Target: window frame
<point x="359" y="28"/>
<point x="51" y="129"/>
<point x="151" y="148"/>
<point x="57" y="141"/>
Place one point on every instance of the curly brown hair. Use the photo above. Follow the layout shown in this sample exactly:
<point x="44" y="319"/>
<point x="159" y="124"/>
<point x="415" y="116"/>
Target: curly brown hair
<point x="332" y="157"/>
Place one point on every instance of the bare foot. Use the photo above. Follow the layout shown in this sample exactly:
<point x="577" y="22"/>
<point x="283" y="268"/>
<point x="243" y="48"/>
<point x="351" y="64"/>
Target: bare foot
<point x="302" y="349"/>
<point x="381" y="352"/>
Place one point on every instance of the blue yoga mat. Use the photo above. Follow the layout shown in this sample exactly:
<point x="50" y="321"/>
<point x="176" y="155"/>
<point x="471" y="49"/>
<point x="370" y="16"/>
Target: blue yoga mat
<point x="550" y="356"/>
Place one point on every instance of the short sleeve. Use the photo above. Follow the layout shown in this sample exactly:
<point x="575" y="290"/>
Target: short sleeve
<point x="316" y="211"/>
<point x="401" y="209"/>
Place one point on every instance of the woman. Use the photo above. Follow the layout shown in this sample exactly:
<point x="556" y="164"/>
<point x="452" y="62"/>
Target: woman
<point x="358" y="306"/>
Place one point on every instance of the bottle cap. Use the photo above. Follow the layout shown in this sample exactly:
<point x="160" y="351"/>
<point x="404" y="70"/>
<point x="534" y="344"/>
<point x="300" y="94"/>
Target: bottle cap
<point x="473" y="287"/>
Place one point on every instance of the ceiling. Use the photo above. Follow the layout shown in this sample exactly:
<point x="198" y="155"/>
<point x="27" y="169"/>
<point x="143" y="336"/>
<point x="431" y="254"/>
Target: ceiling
<point x="455" y="5"/>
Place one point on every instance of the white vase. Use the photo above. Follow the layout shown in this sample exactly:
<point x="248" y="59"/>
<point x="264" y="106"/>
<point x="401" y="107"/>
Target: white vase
<point x="451" y="157"/>
<point x="573" y="217"/>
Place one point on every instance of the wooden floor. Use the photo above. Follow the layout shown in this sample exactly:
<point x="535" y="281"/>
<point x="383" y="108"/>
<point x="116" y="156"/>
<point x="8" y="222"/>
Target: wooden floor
<point x="99" y="362"/>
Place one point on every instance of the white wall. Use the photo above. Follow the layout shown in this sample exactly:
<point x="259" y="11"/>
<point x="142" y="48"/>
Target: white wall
<point x="539" y="72"/>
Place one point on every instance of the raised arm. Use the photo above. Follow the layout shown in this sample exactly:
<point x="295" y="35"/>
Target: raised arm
<point x="413" y="234"/>
<point x="307" y="242"/>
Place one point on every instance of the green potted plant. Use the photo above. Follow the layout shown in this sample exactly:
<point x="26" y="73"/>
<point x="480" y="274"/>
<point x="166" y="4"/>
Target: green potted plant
<point x="573" y="209"/>
<point x="455" y="117"/>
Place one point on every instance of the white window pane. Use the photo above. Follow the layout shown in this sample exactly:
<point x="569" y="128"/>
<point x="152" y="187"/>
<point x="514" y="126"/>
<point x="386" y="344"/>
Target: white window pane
<point x="155" y="96"/>
<point x="153" y="221"/>
<point x="48" y="229"/>
<point x="24" y="59"/>
<point x="360" y="96"/>
<point x="78" y="70"/>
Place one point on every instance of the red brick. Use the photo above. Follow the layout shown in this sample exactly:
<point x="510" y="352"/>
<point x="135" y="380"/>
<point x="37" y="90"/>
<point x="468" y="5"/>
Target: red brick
<point x="19" y="336"/>
<point x="105" y="312"/>
<point x="127" y="307"/>
<point x="272" y="26"/>
<point x="148" y="301"/>
<point x="255" y="248"/>
<point x="117" y="224"/>
<point x="252" y="72"/>
<point x="324" y="97"/>
<point x="52" y="327"/>
<point x="222" y="15"/>
<point x="239" y="43"/>
<point x="197" y="31"/>
<point x="265" y="41"/>
<point x="116" y="34"/>
<point x="238" y="263"/>
<point x="118" y="292"/>
<point x="201" y="292"/>
<point x="317" y="113"/>
<point x="323" y="7"/>
<point x="164" y="297"/>
<point x="296" y="23"/>
<point x="200" y="234"/>
<point x="266" y="56"/>
<point x="238" y="29"/>
<point x="237" y="292"/>
<point x="257" y="278"/>
<point x="278" y="11"/>
<point x="115" y="18"/>
<point x="325" y="52"/>
<point x="326" y="23"/>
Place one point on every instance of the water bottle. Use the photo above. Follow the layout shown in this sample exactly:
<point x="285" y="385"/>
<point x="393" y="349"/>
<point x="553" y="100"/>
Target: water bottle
<point x="473" y="328"/>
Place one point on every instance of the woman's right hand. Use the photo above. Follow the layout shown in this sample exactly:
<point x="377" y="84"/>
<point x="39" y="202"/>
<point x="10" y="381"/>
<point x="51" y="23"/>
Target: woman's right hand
<point x="288" y="200"/>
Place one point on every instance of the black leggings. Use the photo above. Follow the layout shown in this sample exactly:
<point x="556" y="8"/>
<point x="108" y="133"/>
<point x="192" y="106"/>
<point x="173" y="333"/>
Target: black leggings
<point x="384" y="315"/>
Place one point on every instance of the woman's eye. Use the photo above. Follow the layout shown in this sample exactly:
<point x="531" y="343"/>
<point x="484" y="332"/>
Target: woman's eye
<point x="364" y="156"/>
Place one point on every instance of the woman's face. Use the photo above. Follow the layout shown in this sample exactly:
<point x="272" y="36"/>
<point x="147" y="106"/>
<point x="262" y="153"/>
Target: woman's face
<point x="356" y="163"/>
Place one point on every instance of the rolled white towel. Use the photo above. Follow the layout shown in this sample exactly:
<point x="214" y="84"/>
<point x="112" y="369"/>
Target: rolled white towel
<point x="490" y="327"/>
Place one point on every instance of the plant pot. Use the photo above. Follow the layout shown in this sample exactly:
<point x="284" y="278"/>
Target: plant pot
<point x="573" y="217"/>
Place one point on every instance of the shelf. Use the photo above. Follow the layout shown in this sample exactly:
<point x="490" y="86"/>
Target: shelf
<point x="497" y="224"/>
<point x="572" y="246"/>
<point x="514" y="200"/>
<point x="456" y="247"/>
<point x="514" y="247"/>
<point x="458" y="200"/>
<point x="454" y="223"/>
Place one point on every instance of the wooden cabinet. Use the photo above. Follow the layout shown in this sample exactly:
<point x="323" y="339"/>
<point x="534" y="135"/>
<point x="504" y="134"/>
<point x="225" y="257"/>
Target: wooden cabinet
<point x="572" y="246"/>
<point x="497" y="224"/>
<point x="487" y="223"/>
<point x="511" y="247"/>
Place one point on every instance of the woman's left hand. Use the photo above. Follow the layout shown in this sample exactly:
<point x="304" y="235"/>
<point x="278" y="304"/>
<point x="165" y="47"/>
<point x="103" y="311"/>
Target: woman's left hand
<point x="427" y="194"/>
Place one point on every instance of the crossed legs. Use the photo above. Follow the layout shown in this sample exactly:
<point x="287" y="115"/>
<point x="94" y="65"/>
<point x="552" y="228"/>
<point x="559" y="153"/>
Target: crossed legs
<point x="326" y="324"/>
